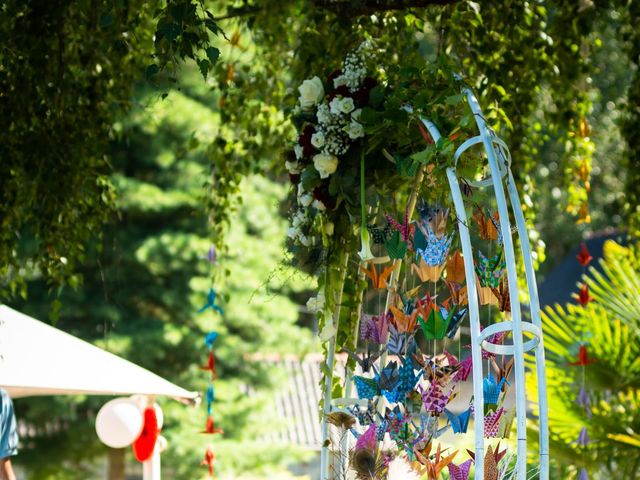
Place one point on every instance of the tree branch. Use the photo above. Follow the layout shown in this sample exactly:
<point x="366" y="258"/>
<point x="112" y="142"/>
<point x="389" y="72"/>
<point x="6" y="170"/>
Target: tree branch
<point x="353" y="8"/>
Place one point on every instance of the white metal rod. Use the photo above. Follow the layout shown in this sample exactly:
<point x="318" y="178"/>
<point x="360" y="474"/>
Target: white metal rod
<point x="512" y="276"/>
<point x="534" y="306"/>
<point x="151" y="467"/>
<point x="474" y="320"/>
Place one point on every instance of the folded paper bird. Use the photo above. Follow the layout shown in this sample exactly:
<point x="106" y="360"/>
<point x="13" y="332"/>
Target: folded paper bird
<point x="210" y="339"/>
<point x="378" y="280"/>
<point x="210" y="427"/>
<point x="210" y="366"/>
<point x="211" y="303"/>
<point x="492" y="423"/>
<point x="209" y="459"/>
<point x="584" y="257"/>
<point x="492" y="389"/>
<point x="459" y="422"/>
<point x="460" y="472"/>
<point x="434" y="466"/>
<point x="583" y="358"/>
<point x="375" y="329"/>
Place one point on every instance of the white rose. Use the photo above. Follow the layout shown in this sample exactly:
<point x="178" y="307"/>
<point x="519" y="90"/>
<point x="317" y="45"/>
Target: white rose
<point x="347" y="105"/>
<point x="298" y="150"/>
<point x="329" y="228"/>
<point x="311" y="92"/>
<point x="305" y="200"/>
<point x="335" y="105"/>
<point x="297" y="220"/>
<point x="318" y="205"/>
<point x="355" y="115"/>
<point x="292" y="167"/>
<point x="355" y="130"/>
<point x="325" y="164"/>
<point x="292" y="232"/>
<point x="318" y="140"/>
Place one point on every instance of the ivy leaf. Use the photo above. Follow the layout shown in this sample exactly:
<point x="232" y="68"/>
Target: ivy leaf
<point x="170" y="31"/>
<point x="204" y="67"/>
<point x="310" y="179"/>
<point x="212" y="26"/>
<point x="213" y="53"/>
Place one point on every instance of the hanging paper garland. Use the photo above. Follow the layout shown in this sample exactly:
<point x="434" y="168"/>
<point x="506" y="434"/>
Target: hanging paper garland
<point x="210" y="365"/>
<point x="583" y="360"/>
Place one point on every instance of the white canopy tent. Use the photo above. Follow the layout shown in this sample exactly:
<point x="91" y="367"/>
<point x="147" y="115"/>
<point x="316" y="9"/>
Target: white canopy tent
<point x="38" y="359"/>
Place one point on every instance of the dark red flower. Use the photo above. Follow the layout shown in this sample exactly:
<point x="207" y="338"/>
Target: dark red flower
<point x="361" y="96"/>
<point x="322" y="194"/>
<point x="332" y="76"/>
<point x="584" y="257"/>
<point x="295" y="178"/>
<point x="341" y="90"/>
<point x="305" y="141"/>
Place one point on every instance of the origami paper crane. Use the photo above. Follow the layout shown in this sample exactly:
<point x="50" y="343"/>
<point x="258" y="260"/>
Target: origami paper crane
<point x="210" y="398"/>
<point x="435" y="370"/>
<point x="427" y="273"/>
<point x="455" y="268"/>
<point x="375" y="329"/>
<point x="211" y="365"/>
<point x="584" y="257"/>
<point x="460" y="472"/>
<point x="434" y="398"/>
<point x="459" y="294"/>
<point x="583" y="358"/>
<point x="502" y="294"/>
<point x="398" y="342"/>
<point x="212" y="255"/>
<point x="433" y="467"/>
<point x="405" y="319"/>
<point x="506" y="422"/>
<point x="378" y="280"/>
<point x="395" y="246"/>
<point x="435" y="216"/>
<point x="490" y="271"/>
<point x="459" y="422"/>
<point x="488" y="226"/>
<point x="456" y="320"/>
<point x="492" y="423"/>
<point x="378" y="234"/>
<point x="503" y="371"/>
<point x="492" y="389"/>
<point x="366" y="387"/>
<point x="583" y="475"/>
<point x="584" y="401"/>
<point x="583" y="297"/>
<point x="435" y="251"/>
<point x="210" y="427"/>
<point x="367" y="439"/>
<point x="463" y="373"/>
<point x="583" y="437"/>
<point x="211" y="303"/>
<point x="210" y="338"/>
<point x="209" y="458"/>
<point x="437" y="325"/>
<point x="365" y="361"/>
<point x="405" y="229"/>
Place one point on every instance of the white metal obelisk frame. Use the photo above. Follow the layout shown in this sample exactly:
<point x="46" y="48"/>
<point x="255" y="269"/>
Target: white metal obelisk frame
<point x="499" y="176"/>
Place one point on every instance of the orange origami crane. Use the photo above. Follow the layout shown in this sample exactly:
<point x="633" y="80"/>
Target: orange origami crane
<point x="487" y="225"/>
<point x="427" y="273"/>
<point x="378" y="280"/>
<point x="209" y="458"/>
<point x="403" y="322"/>
<point x="210" y="366"/>
<point x="433" y="467"/>
<point x="210" y="427"/>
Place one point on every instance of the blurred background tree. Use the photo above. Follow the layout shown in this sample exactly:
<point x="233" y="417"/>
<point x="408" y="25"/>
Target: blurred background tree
<point x="143" y="285"/>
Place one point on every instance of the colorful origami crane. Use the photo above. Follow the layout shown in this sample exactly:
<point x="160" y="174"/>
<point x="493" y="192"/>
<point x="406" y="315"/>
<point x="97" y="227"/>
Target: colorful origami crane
<point x="366" y="360"/>
<point x="210" y="427"/>
<point x="460" y="472"/>
<point x="433" y="465"/>
<point x="584" y="401"/>
<point x="435" y="251"/>
<point x="209" y="459"/>
<point x="583" y="296"/>
<point x="459" y="422"/>
<point x="211" y="303"/>
<point x="375" y="329"/>
<point x="378" y="280"/>
<point x="490" y="271"/>
<point x="211" y="365"/>
<point x="492" y="389"/>
<point x="583" y="437"/>
<point x="492" y="423"/>
<point x="584" y="257"/>
<point x="583" y="358"/>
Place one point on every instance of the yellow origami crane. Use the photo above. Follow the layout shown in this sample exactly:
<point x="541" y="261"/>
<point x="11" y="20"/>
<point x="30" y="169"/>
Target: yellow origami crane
<point x="427" y="273"/>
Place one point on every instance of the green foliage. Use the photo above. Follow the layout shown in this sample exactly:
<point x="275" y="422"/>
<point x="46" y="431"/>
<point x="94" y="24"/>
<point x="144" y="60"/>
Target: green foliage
<point x="610" y="328"/>
<point x="143" y="287"/>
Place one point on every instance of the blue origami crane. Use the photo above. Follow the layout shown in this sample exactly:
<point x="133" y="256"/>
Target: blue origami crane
<point x="583" y="475"/>
<point x="211" y="303"/>
<point x="492" y="389"/>
<point x="459" y="423"/>
<point x="210" y="397"/>
<point x="435" y="252"/>
<point x="210" y="338"/>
